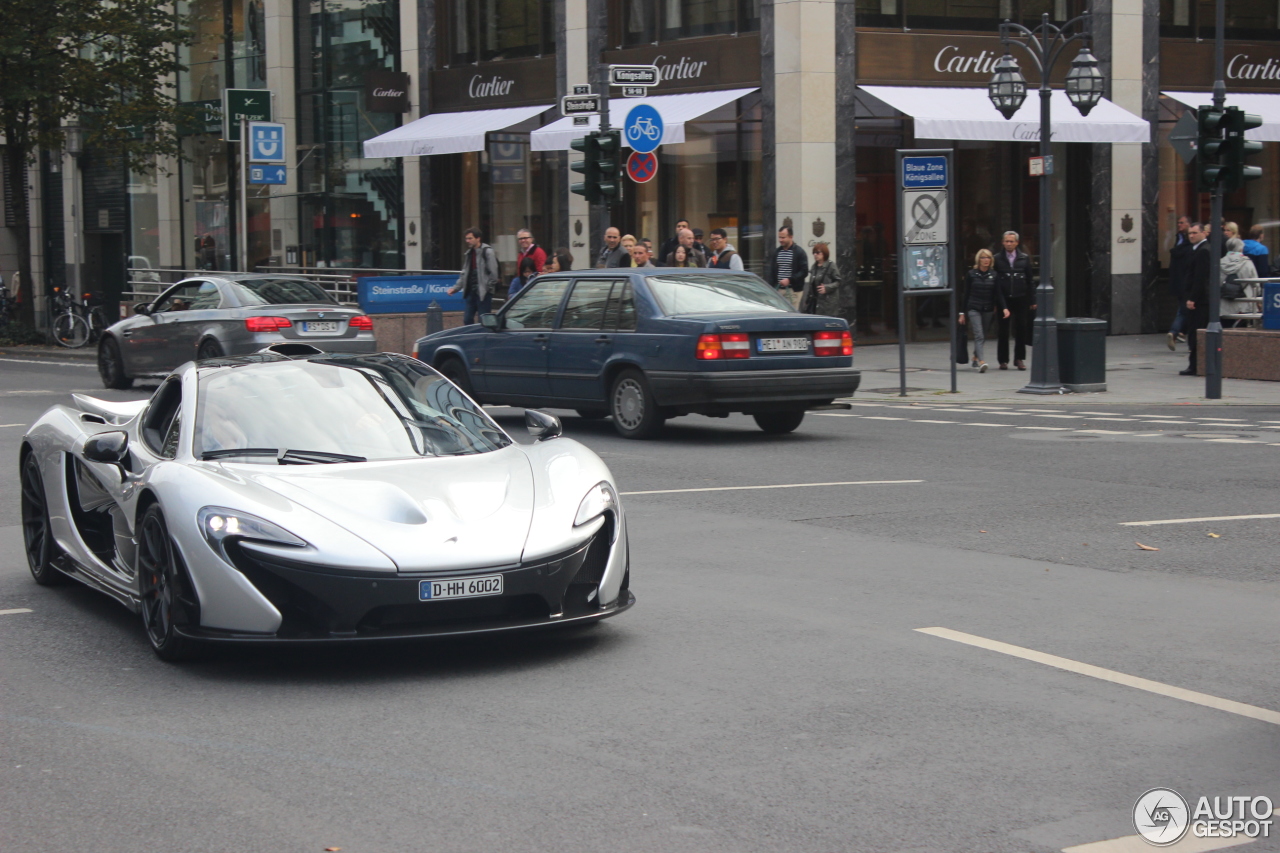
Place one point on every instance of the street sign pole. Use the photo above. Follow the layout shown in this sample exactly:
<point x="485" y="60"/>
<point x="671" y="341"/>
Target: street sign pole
<point x="244" y="192"/>
<point x="1213" y="331"/>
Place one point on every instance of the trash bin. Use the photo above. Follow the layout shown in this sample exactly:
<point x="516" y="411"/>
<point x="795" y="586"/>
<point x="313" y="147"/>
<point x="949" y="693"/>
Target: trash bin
<point x="1271" y="305"/>
<point x="1082" y="354"/>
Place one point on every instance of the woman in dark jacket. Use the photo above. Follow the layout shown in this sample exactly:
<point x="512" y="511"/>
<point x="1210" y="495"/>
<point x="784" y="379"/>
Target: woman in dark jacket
<point x="823" y="279"/>
<point x="979" y="303"/>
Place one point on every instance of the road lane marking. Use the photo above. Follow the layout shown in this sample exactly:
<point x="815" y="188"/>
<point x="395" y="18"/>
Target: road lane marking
<point x="1202" y="418"/>
<point x="1111" y="419"/>
<point x="1137" y="844"/>
<point x="1006" y="426"/>
<point x="54" y="363"/>
<point x="781" y="486"/>
<point x="1232" y="441"/>
<point x="1105" y="414"/>
<point x="1051" y="429"/>
<point x="15" y="610"/>
<point x="1253" y="712"/>
<point x="3" y="426"/>
<point x="1065" y="417"/>
<point x="923" y="421"/>
<point x="1194" y="520"/>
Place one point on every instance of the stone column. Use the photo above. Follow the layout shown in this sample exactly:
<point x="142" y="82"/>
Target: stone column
<point x="281" y="80"/>
<point x="804" y="39"/>
<point x="426" y="209"/>
<point x="845" y="238"/>
<point x="410" y="235"/>
<point x="1126" y="216"/>
<point x="574" y="62"/>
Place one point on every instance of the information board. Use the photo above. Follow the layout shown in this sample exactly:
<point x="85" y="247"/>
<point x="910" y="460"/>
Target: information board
<point x="407" y="294"/>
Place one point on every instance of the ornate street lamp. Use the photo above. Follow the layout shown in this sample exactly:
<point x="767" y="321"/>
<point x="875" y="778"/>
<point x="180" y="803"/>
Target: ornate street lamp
<point x="1007" y="91"/>
<point x="1008" y="88"/>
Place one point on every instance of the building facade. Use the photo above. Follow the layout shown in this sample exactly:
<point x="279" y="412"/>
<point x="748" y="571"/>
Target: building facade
<point x="410" y="120"/>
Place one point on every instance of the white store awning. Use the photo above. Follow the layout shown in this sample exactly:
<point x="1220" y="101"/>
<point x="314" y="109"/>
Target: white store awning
<point x="447" y="133"/>
<point x="944" y="113"/>
<point x="674" y="109"/>
<point x="1266" y="107"/>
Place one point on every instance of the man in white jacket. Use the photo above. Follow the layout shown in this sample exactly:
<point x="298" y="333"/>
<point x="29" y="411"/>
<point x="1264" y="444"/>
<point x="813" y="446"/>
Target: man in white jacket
<point x="479" y="278"/>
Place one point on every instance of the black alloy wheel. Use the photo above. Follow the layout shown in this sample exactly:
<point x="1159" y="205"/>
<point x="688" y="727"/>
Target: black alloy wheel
<point x="456" y="372"/>
<point x="111" y="366"/>
<point x="592" y="414"/>
<point x="167" y="596"/>
<point x="209" y="349"/>
<point x="635" y="412"/>
<point x="778" y="423"/>
<point x="37" y="534"/>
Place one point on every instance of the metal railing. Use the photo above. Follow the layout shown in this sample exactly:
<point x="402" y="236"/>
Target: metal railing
<point x="144" y="285"/>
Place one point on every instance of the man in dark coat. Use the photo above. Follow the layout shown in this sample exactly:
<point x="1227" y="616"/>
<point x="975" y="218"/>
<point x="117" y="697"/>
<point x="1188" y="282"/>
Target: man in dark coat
<point x="1014" y="278"/>
<point x="787" y="266"/>
<point x="1179" y="269"/>
<point x="1197" y="292"/>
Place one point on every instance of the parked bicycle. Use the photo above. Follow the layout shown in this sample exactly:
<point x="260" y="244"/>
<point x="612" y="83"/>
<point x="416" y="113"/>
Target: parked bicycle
<point x="8" y="307"/>
<point x="70" y="327"/>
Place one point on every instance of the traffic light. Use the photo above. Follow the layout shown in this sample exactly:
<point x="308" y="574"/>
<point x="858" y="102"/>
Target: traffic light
<point x="589" y="166"/>
<point x="1209" y="148"/>
<point x="609" y="166"/>
<point x="1236" y="148"/>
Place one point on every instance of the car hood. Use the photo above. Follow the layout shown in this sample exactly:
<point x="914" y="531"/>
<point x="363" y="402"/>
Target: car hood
<point x="426" y="515"/>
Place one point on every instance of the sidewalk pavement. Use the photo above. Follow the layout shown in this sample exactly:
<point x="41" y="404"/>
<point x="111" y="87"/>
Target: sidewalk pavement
<point x="1140" y="371"/>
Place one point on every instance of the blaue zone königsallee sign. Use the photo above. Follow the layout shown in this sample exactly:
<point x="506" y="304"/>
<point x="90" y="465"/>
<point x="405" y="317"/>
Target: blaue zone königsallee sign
<point x="407" y="294"/>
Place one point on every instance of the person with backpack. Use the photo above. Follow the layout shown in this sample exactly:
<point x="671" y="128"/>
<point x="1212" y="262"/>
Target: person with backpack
<point x="1235" y="265"/>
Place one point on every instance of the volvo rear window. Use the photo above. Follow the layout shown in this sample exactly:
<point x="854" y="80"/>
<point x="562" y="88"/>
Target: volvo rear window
<point x="279" y="291"/>
<point x="700" y="294"/>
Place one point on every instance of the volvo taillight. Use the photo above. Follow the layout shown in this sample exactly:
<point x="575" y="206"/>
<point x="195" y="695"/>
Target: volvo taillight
<point x="724" y="345"/>
<point x="266" y="324"/>
<point x="833" y="343"/>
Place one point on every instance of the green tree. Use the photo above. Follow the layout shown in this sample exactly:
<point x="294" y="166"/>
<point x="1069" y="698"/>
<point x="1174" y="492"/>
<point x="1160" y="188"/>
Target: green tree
<point x="107" y="65"/>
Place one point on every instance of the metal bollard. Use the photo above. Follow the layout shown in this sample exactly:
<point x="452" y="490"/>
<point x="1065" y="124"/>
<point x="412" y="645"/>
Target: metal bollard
<point x="435" y="318"/>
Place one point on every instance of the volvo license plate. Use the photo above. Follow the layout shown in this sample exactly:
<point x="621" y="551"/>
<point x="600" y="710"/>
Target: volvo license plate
<point x="320" y="326"/>
<point x="459" y="588"/>
<point x="782" y="345"/>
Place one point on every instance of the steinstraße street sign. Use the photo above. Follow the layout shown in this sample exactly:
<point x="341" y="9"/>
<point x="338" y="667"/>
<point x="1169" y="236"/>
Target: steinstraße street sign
<point x="249" y="104"/>
<point x="1184" y="136"/>
<point x="266" y="142"/>
<point x="574" y="105"/>
<point x="634" y="75"/>
<point x="924" y="216"/>
<point x="643" y="128"/>
<point x="642" y="167"/>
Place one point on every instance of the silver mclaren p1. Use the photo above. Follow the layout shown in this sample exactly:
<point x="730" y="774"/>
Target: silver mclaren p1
<point x="320" y="497"/>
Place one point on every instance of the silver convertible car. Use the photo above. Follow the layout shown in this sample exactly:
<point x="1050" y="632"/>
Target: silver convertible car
<point x="320" y="498"/>
<point x="223" y="314"/>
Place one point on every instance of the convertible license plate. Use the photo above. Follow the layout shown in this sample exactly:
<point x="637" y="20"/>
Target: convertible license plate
<point x="459" y="588"/>
<point x="320" y="326"/>
<point x="783" y="345"/>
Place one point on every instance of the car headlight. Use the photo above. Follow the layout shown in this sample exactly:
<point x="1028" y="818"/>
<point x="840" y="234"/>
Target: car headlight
<point x="599" y="500"/>
<point x="220" y="525"/>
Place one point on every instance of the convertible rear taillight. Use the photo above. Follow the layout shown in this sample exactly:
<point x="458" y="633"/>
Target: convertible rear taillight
<point x="724" y="345"/>
<point x="833" y="343"/>
<point x="363" y="322"/>
<point x="266" y="324"/>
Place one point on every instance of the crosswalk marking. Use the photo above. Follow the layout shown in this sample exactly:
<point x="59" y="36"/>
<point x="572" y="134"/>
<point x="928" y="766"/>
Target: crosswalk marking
<point x="1194" y="520"/>
<point x="781" y="486"/>
<point x="15" y="610"/>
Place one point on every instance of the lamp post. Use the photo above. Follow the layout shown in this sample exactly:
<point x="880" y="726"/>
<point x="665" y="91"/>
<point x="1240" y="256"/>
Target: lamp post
<point x="74" y="136"/>
<point x="1007" y="90"/>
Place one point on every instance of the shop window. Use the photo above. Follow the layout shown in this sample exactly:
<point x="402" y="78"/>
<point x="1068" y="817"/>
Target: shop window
<point x="1245" y="19"/>
<point x="648" y="21"/>
<point x="978" y="15"/>
<point x="484" y="30"/>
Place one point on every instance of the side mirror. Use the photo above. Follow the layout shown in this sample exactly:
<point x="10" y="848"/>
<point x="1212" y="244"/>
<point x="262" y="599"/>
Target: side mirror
<point x="541" y="425"/>
<point x="490" y="322"/>
<point x="142" y="309"/>
<point x="109" y="448"/>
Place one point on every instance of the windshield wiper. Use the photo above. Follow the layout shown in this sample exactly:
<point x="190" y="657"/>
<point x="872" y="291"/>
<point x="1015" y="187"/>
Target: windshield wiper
<point x="284" y="457"/>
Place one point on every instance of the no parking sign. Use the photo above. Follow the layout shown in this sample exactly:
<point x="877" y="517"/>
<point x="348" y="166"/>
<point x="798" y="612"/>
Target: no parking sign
<point x="642" y="167"/>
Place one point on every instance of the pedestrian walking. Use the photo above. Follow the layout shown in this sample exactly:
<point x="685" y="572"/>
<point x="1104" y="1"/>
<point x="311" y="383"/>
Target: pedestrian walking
<point x="1235" y="265"/>
<point x="560" y="261"/>
<point x="669" y="244"/>
<point x="648" y="249"/>
<point x="479" y="278"/>
<point x="1179" y="270"/>
<point x="640" y="256"/>
<point x="981" y="299"/>
<point x="628" y="240"/>
<point x="1197" y="294"/>
<point x="1013" y="276"/>
<point x="611" y="255"/>
<point x="787" y="266"/>
<point x="723" y="254"/>
<point x="528" y="271"/>
<point x="822" y="281"/>
<point x="697" y="241"/>
<point x="1257" y="252"/>
<point x="529" y="249"/>
<point x="692" y="257"/>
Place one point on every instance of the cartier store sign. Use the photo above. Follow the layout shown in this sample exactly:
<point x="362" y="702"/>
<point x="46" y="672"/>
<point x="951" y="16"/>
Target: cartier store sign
<point x="718" y="62"/>
<point x="1250" y="66"/>
<point x="517" y="83"/>
<point x="895" y="58"/>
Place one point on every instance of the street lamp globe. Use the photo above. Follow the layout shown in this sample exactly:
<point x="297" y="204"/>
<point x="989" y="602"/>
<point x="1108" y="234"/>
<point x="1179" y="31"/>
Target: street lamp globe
<point x="1084" y="82"/>
<point x="1008" y="88"/>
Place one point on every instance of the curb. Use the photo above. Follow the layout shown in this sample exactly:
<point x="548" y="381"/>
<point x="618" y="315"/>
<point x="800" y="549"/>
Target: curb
<point x="38" y="353"/>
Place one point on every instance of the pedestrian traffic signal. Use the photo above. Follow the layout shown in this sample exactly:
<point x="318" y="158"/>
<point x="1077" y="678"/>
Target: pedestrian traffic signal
<point x="609" y="166"/>
<point x="1209" y="148"/>
<point x="589" y="166"/>
<point x="1236" y="148"/>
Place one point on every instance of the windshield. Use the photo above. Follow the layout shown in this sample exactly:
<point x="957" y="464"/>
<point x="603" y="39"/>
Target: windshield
<point x="279" y="291"/>
<point x="699" y="294"/>
<point x="337" y="409"/>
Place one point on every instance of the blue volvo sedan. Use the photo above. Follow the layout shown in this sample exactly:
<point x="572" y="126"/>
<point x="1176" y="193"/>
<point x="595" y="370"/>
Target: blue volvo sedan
<point x="644" y="345"/>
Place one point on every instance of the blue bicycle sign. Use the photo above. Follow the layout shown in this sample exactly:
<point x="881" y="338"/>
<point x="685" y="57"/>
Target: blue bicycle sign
<point x="643" y="128"/>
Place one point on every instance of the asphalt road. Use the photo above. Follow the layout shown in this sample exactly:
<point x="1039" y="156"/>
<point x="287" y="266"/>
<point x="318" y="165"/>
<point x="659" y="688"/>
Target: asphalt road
<point x="770" y="691"/>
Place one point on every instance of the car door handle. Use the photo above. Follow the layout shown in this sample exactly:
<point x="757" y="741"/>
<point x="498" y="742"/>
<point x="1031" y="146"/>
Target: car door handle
<point x="603" y="339"/>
